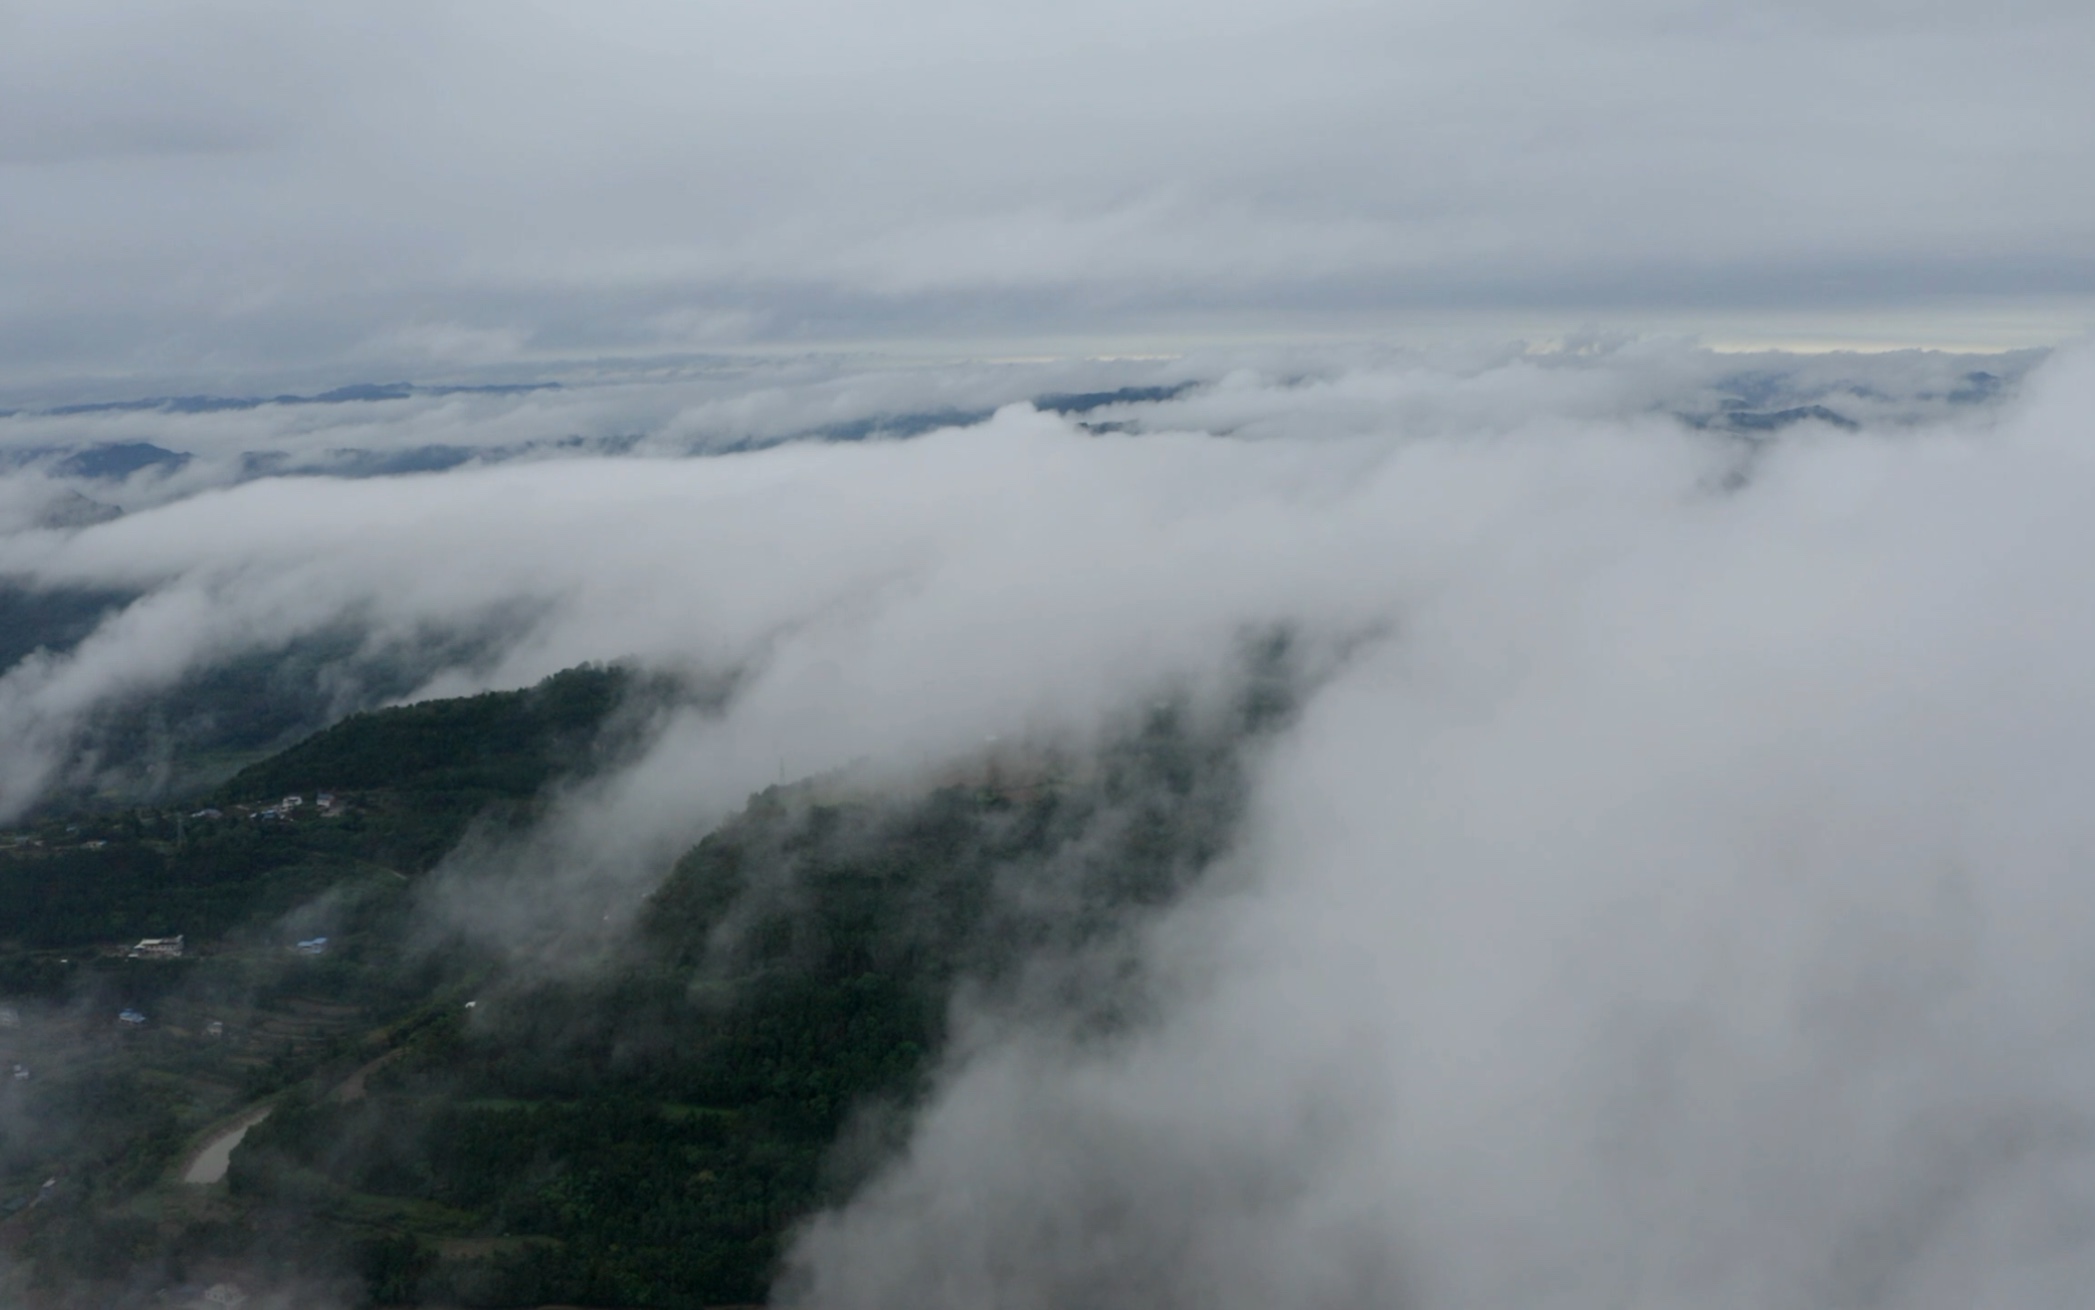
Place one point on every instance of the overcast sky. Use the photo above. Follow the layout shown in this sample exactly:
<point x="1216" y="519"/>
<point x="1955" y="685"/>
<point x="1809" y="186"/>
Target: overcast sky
<point x="229" y="188"/>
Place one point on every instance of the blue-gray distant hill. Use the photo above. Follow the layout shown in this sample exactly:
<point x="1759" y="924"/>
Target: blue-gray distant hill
<point x="108" y="461"/>
<point x="355" y="392"/>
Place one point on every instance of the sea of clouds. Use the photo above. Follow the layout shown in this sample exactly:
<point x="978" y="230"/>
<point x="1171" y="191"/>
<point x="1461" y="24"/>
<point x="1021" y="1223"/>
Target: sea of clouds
<point x="1673" y="891"/>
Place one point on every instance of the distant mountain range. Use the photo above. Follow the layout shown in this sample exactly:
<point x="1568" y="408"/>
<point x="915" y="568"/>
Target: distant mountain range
<point x="359" y="391"/>
<point x="1748" y="404"/>
<point x="116" y="461"/>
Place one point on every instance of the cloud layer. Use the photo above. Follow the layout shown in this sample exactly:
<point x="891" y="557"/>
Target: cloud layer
<point x="1020" y="550"/>
<point x="1685" y="906"/>
<point x="1671" y="892"/>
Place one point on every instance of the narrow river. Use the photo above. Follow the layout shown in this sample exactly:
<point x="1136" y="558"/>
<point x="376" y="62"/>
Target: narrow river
<point x="211" y="1162"/>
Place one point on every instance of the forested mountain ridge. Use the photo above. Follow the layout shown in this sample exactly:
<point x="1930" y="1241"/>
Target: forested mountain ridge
<point x="447" y="1128"/>
<point x="500" y="743"/>
<point x="410" y="780"/>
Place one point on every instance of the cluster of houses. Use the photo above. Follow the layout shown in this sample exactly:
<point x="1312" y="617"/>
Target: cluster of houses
<point x="131" y="1018"/>
<point x="170" y="948"/>
<point x="326" y="804"/>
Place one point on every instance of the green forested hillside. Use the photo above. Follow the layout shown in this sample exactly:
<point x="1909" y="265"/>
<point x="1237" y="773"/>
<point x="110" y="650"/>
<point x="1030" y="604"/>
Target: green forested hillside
<point x="499" y="743"/>
<point x="409" y="781"/>
<point x="149" y="748"/>
<point x="451" y="1127"/>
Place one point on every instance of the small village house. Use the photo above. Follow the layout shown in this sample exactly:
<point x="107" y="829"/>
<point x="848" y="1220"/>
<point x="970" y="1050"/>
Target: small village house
<point x="158" y="948"/>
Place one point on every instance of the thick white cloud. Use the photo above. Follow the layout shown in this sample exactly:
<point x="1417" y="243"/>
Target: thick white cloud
<point x="1687" y="906"/>
<point x="999" y="562"/>
<point x="681" y="407"/>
